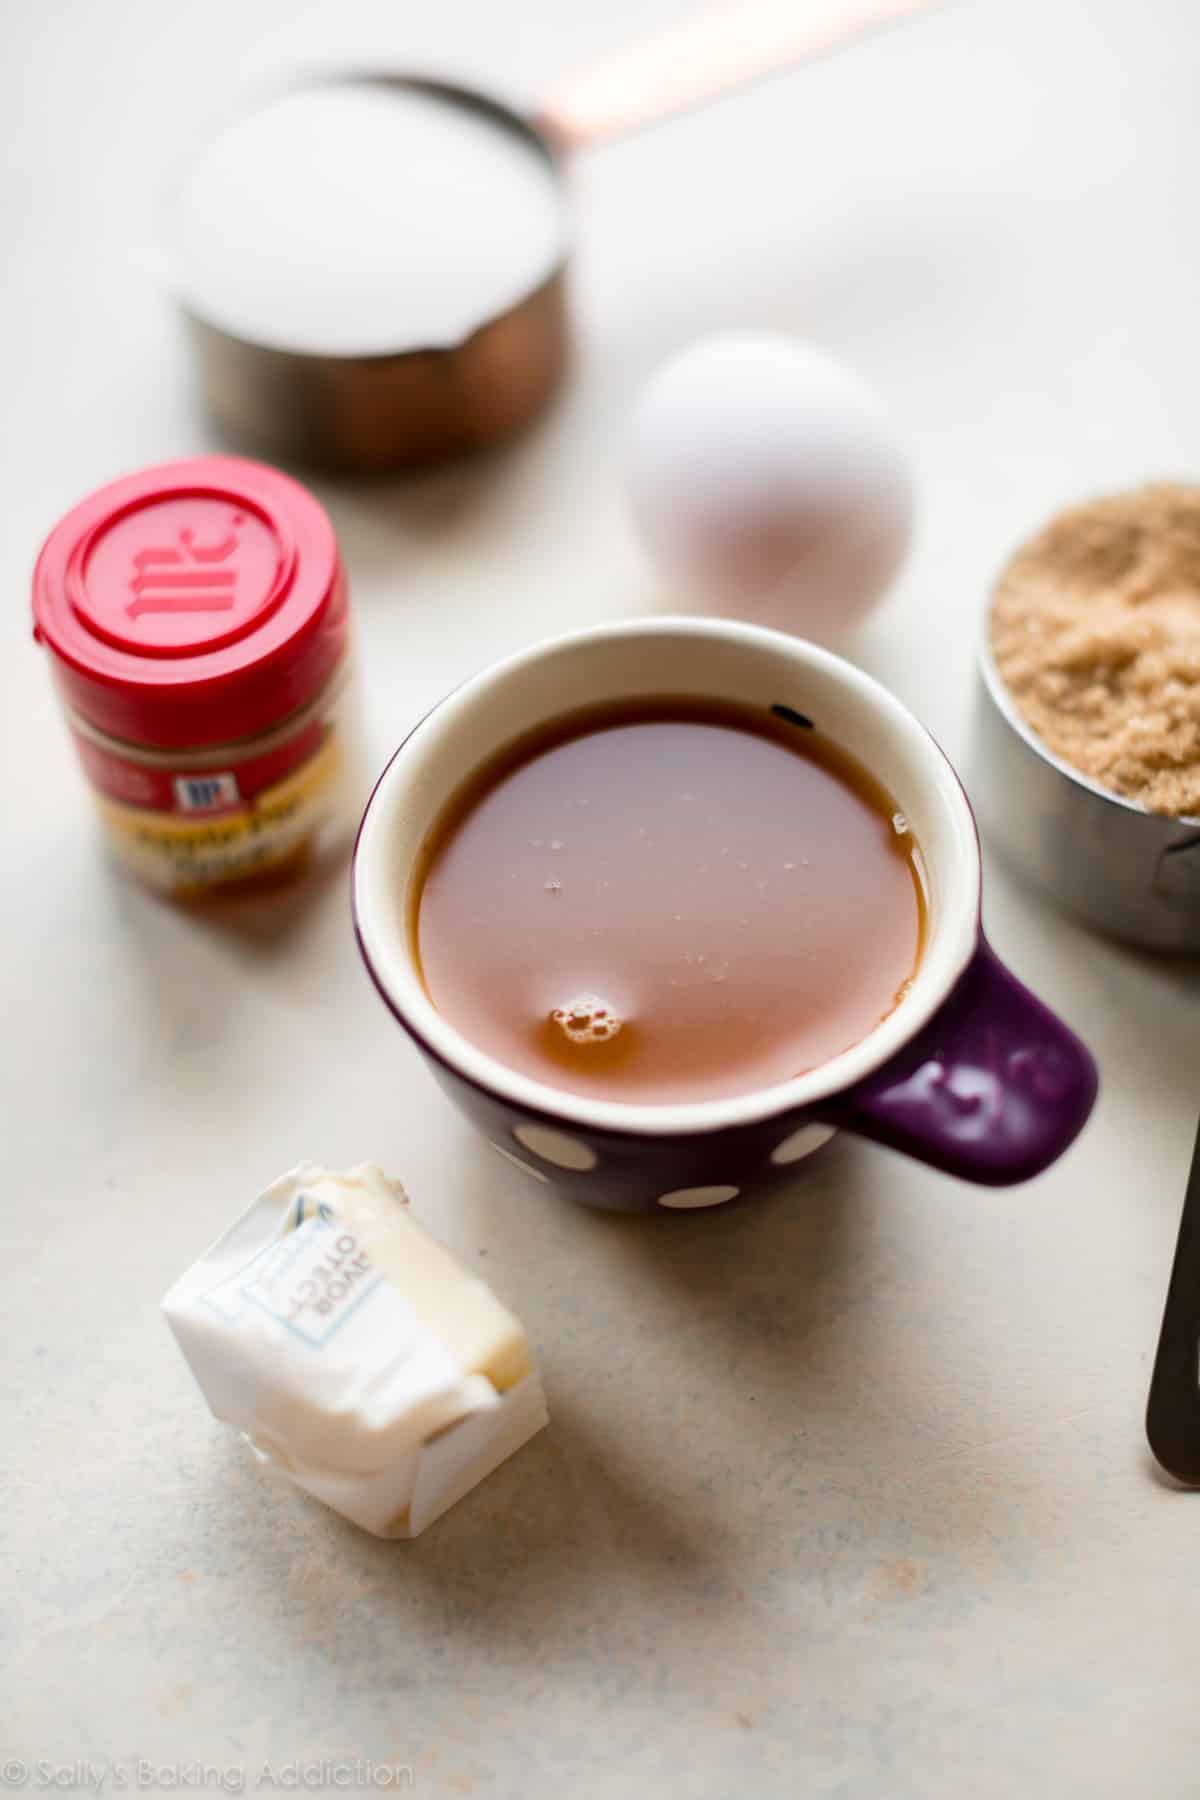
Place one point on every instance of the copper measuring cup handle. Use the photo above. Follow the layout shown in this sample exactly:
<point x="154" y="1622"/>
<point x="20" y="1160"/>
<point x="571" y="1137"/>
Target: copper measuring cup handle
<point x="705" y="54"/>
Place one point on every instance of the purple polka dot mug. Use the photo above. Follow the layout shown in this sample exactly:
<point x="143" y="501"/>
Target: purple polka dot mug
<point x="969" y="1073"/>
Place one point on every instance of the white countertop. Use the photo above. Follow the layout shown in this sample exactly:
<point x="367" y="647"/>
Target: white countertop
<point x="846" y="1493"/>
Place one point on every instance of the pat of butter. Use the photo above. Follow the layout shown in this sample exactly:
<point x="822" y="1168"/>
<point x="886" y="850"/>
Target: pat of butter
<point x="354" y="1352"/>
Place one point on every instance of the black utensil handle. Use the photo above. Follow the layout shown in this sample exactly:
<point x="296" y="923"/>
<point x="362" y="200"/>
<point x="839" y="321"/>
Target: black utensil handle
<point x="1173" y="1409"/>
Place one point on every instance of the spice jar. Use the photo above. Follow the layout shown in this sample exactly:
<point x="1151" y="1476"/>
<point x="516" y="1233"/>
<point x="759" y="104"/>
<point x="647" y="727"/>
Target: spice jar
<point x="197" y="620"/>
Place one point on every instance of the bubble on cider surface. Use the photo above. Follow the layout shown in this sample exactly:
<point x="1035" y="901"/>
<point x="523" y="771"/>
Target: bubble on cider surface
<point x="587" y="1019"/>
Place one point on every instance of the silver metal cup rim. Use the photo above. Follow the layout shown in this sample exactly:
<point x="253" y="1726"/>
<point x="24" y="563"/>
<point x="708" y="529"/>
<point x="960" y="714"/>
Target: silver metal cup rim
<point x="1003" y="701"/>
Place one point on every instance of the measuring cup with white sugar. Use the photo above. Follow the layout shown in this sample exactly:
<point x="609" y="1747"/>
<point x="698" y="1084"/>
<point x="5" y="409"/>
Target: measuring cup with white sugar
<point x="371" y="265"/>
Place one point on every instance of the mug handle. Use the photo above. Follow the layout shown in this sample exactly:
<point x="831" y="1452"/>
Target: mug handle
<point x="993" y="1089"/>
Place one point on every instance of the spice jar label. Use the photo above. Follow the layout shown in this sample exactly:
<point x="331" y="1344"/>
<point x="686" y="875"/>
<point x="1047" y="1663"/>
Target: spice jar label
<point x="193" y="848"/>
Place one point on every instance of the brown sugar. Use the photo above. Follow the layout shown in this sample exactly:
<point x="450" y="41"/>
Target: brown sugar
<point x="1095" y="631"/>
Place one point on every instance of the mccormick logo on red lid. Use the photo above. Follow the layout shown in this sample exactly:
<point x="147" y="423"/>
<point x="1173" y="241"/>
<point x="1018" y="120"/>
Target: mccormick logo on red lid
<point x="186" y="576"/>
<point x="193" y="604"/>
<point x="181" y="574"/>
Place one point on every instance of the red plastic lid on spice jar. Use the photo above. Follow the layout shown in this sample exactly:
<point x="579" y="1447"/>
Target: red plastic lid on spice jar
<point x="193" y="603"/>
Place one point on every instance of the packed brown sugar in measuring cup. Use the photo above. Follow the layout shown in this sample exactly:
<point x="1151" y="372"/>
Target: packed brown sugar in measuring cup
<point x="1095" y="631"/>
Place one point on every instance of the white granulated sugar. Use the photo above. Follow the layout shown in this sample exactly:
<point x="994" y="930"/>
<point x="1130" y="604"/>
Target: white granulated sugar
<point x="353" y="218"/>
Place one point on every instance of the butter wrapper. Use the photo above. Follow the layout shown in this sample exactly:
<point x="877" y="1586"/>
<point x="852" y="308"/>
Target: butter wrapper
<point x="353" y="1352"/>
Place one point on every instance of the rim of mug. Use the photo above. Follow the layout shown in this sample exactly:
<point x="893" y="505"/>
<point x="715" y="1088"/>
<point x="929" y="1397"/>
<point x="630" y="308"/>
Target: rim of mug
<point x="389" y="961"/>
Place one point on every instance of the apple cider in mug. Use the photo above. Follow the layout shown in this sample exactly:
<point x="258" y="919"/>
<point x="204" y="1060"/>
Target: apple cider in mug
<point x="668" y="900"/>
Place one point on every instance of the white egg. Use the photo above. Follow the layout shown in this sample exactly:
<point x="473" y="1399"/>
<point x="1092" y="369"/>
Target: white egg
<point x="768" y="484"/>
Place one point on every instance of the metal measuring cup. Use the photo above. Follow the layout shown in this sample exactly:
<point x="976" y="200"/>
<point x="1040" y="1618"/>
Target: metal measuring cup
<point x="416" y="402"/>
<point x="1128" y="872"/>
